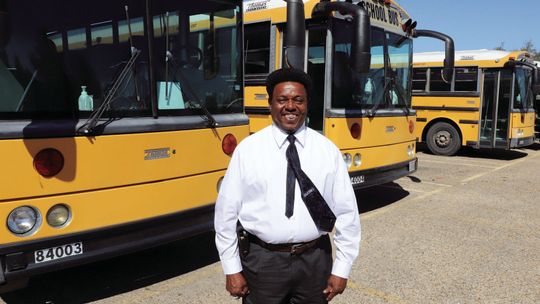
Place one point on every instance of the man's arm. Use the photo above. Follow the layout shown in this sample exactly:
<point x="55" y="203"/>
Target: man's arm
<point x="347" y="236"/>
<point x="225" y="221"/>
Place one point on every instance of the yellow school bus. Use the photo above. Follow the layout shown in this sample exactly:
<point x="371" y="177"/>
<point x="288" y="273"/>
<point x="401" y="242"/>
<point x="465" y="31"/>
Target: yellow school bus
<point x="117" y="123"/>
<point x="489" y="103"/>
<point x="359" y="56"/>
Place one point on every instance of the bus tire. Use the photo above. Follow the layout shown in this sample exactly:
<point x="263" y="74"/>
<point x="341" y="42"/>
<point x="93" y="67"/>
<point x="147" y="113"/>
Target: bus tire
<point x="443" y="139"/>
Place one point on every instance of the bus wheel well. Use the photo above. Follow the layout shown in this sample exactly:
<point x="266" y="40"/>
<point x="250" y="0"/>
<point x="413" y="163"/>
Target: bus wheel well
<point x="434" y="121"/>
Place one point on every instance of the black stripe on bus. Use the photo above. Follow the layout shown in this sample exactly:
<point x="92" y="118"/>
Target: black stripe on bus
<point x="127" y="125"/>
<point x="258" y="110"/>
<point x="419" y="119"/>
<point x="456" y="109"/>
<point x="468" y="122"/>
<point x="471" y="143"/>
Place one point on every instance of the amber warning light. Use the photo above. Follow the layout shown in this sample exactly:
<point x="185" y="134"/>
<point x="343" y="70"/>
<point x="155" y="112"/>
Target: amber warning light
<point x="49" y="162"/>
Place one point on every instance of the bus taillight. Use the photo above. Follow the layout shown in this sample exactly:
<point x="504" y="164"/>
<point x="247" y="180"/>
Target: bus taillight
<point x="355" y="130"/>
<point x="49" y="162"/>
<point x="411" y="126"/>
<point x="228" y="144"/>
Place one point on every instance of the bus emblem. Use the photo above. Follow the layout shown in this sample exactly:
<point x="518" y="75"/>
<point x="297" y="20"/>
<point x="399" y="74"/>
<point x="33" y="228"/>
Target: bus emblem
<point x="152" y="154"/>
<point x="390" y="129"/>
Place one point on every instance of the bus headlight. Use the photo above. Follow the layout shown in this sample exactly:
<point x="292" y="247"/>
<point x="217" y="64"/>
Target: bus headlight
<point x="348" y="159"/>
<point x="22" y="220"/>
<point x="357" y="159"/>
<point x="58" y="215"/>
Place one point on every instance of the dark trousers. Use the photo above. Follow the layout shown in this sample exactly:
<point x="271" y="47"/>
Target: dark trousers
<point x="281" y="278"/>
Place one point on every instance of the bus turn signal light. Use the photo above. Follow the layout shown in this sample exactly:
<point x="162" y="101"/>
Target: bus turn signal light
<point x="355" y="130"/>
<point x="229" y="144"/>
<point x="49" y="162"/>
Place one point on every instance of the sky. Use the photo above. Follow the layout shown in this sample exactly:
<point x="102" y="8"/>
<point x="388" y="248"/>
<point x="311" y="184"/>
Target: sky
<point x="476" y="24"/>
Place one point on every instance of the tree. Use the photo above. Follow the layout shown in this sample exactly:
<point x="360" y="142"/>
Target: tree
<point x="500" y="47"/>
<point x="529" y="47"/>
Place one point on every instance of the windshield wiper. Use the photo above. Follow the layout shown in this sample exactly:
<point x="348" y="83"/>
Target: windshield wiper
<point x="185" y="84"/>
<point x="90" y="124"/>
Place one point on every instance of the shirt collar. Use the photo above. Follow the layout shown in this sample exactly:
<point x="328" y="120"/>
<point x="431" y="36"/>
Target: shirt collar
<point x="280" y="136"/>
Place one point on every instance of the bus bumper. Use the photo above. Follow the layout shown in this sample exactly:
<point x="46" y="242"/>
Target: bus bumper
<point x="521" y="142"/>
<point x="371" y="177"/>
<point x="17" y="262"/>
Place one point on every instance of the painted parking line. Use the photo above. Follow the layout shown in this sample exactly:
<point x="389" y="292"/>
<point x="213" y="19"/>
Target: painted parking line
<point x="468" y="179"/>
<point x="408" y="181"/>
<point x="401" y="188"/>
<point x="372" y="292"/>
<point x="454" y="162"/>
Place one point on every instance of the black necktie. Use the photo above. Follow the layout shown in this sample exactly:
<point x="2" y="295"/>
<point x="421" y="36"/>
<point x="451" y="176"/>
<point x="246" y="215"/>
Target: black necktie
<point x="291" y="182"/>
<point x="321" y="214"/>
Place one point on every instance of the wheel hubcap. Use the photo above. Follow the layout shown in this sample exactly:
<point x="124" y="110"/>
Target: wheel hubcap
<point x="443" y="139"/>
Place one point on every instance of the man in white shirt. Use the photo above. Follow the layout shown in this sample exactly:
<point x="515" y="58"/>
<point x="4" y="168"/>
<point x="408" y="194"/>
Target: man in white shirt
<point x="289" y="259"/>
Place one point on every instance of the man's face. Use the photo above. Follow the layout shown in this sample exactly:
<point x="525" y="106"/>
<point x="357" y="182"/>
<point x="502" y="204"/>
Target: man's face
<point x="289" y="106"/>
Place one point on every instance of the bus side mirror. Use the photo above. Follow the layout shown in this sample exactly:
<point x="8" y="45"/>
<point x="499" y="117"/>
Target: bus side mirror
<point x="536" y="81"/>
<point x="361" y="40"/>
<point x="449" y="52"/>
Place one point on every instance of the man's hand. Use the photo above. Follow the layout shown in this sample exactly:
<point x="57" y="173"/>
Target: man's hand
<point x="336" y="285"/>
<point x="236" y="285"/>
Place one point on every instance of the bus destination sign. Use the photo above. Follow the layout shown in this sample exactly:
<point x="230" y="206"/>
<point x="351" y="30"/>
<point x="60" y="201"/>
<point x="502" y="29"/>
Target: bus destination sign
<point x="381" y="13"/>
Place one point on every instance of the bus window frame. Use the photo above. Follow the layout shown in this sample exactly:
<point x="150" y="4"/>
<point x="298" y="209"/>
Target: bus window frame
<point x="260" y="78"/>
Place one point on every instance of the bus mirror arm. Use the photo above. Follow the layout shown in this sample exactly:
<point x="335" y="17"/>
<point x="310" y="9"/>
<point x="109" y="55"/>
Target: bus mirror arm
<point x="449" y="51"/>
<point x="536" y="81"/>
<point x="295" y="41"/>
<point x="361" y="40"/>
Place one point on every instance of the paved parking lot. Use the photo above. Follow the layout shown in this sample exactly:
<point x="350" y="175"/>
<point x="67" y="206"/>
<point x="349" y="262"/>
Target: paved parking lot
<point x="462" y="229"/>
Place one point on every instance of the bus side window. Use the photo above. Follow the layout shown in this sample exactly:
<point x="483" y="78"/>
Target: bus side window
<point x="466" y="79"/>
<point x="419" y="80"/>
<point x="257" y="46"/>
<point x="436" y="83"/>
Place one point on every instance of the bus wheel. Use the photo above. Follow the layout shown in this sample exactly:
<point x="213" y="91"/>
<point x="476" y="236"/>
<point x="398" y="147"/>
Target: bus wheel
<point x="443" y="139"/>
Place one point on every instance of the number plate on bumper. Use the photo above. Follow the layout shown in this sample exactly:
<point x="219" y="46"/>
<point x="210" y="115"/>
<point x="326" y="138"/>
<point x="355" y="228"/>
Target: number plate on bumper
<point x="55" y="253"/>
<point x="412" y="165"/>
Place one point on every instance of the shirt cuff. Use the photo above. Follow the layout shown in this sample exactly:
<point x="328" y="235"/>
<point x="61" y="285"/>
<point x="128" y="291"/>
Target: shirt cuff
<point x="341" y="269"/>
<point x="232" y="265"/>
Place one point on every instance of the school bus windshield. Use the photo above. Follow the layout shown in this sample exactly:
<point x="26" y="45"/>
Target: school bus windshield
<point x="388" y="83"/>
<point x="67" y="67"/>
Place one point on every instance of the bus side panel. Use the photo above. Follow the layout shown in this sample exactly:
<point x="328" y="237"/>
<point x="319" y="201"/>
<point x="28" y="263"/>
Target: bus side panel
<point x="259" y="122"/>
<point x="113" y="160"/>
<point x="463" y="111"/>
<point x="109" y="207"/>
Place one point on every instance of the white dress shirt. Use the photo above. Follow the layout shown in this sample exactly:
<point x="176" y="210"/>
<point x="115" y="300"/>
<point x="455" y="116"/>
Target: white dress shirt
<point x="253" y="191"/>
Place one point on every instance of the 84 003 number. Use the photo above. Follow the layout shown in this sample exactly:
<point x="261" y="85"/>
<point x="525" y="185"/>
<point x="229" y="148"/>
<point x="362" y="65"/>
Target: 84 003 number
<point x="55" y="253"/>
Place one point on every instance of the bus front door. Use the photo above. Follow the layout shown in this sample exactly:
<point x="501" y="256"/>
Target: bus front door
<point x="497" y="95"/>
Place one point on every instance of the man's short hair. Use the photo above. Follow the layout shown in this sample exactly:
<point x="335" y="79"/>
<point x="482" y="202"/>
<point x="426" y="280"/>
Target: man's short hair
<point x="285" y="75"/>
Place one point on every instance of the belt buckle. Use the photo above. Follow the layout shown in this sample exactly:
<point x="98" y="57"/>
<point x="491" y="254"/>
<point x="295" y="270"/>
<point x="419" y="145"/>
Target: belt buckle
<point x="295" y="247"/>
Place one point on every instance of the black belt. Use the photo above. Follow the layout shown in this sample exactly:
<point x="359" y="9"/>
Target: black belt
<point x="292" y="248"/>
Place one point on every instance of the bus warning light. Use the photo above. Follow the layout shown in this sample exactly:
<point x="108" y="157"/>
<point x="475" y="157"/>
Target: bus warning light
<point x="48" y="162"/>
<point x="229" y="144"/>
<point x="411" y="126"/>
<point x="355" y="130"/>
